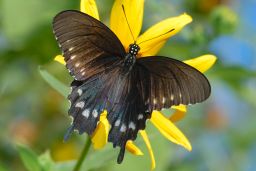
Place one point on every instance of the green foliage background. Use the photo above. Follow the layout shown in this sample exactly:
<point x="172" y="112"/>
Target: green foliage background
<point x="33" y="113"/>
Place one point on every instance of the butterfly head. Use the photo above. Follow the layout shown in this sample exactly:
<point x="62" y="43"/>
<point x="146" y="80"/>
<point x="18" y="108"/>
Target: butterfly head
<point x="134" y="49"/>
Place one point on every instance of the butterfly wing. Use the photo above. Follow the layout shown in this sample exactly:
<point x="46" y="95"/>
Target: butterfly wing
<point x="93" y="54"/>
<point x="119" y="96"/>
<point x="128" y="115"/>
<point x="165" y="82"/>
<point x="90" y="98"/>
<point x="89" y="47"/>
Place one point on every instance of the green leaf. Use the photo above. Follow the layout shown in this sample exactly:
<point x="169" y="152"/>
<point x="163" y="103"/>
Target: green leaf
<point x="64" y="166"/>
<point x="29" y="158"/>
<point x="46" y="161"/>
<point x="223" y="20"/>
<point x="2" y="167"/>
<point x="54" y="83"/>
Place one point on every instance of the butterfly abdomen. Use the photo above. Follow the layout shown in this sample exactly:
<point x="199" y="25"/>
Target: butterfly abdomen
<point x="129" y="62"/>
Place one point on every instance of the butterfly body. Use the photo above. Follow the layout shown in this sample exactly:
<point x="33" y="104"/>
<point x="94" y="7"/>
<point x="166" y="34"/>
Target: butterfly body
<point x="130" y="57"/>
<point x="109" y="78"/>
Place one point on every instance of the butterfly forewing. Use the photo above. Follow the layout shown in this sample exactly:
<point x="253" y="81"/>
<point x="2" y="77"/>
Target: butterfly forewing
<point x="88" y="46"/>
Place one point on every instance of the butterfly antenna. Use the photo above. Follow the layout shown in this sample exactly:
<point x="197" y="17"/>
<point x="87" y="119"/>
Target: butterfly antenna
<point x="128" y="23"/>
<point x="157" y="36"/>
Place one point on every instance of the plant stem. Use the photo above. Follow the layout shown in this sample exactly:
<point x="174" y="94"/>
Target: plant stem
<point x="84" y="153"/>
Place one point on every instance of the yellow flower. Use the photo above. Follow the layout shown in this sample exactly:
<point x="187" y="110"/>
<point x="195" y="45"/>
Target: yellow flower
<point x="152" y="43"/>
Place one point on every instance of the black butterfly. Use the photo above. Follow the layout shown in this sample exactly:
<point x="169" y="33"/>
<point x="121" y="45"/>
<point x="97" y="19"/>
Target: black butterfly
<point x="107" y="77"/>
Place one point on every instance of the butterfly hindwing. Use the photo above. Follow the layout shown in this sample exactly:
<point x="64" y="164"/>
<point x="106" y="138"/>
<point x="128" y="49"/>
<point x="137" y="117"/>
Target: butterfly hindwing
<point x="118" y="94"/>
<point x="88" y="46"/>
<point x="166" y="82"/>
<point x="128" y="115"/>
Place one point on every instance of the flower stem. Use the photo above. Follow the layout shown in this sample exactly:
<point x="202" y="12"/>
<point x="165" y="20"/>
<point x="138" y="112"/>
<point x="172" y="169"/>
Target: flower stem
<point x="84" y="153"/>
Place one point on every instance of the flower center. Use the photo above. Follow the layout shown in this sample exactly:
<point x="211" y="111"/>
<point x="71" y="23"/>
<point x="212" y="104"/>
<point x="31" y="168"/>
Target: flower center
<point x="134" y="49"/>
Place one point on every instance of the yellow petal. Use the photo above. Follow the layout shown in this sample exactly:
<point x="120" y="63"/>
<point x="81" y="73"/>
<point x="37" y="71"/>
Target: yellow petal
<point x="202" y="63"/>
<point x="89" y="7"/>
<point x="155" y="37"/>
<point x="132" y="148"/>
<point x="147" y="142"/>
<point x="60" y="59"/>
<point x="169" y="130"/>
<point x="134" y="14"/>
<point x="179" y="113"/>
<point x="100" y="135"/>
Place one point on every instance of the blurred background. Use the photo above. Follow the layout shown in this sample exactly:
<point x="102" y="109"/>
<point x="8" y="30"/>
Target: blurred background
<point x="222" y="130"/>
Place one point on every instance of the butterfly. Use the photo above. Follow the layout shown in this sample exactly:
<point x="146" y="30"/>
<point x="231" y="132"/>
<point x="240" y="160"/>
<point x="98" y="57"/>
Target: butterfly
<point x="106" y="77"/>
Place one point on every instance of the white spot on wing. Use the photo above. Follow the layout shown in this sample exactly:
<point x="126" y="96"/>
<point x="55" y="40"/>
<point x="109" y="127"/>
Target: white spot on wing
<point x="123" y="128"/>
<point x="80" y="105"/>
<point x="163" y="101"/>
<point x="172" y="97"/>
<point x="117" y="123"/>
<point x="86" y="113"/>
<point x="132" y="125"/>
<point x="72" y="120"/>
<point x="140" y="116"/>
<point x="77" y="64"/>
<point x="72" y="57"/>
<point x="70" y="49"/>
<point x="79" y="91"/>
<point x="95" y="113"/>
